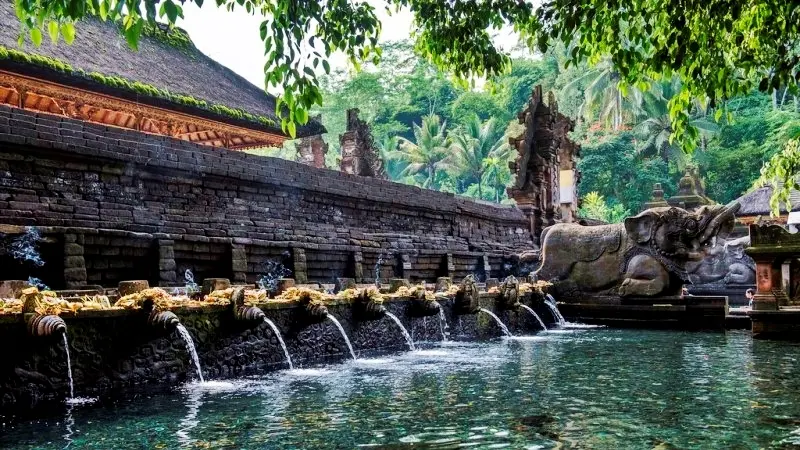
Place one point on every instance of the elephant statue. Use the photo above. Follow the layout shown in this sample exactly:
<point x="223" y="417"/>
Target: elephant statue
<point x="644" y="256"/>
<point x="725" y="264"/>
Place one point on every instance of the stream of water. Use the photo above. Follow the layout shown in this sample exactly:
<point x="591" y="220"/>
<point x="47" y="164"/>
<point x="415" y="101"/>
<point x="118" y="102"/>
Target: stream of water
<point x="280" y="341"/>
<point x="344" y="335"/>
<point x="187" y="339"/>
<point x="69" y="367"/>
<point x="403" y="330"/>
<point x="536" y="316"/>
<point x="499" y="322"/>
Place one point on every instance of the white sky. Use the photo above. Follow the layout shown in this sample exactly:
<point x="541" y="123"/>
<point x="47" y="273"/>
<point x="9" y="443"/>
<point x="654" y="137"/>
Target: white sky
<point x="233" y="40"/>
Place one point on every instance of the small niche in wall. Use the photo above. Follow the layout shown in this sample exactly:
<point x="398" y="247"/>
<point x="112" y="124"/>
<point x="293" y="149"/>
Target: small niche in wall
<point x="204" y="259"/>
<point x="325" y="266"/>
<point x="111" y="259"/>
<point x="268" y="261"/>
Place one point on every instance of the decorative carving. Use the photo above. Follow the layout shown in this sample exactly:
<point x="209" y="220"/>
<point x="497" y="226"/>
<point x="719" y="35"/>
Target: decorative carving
<point x="543" y="151"/>
<point x="39" y="95"/>
<point x="468" y="296"/>
<point x="642" y="257"/>
<point x="359" y="154"/>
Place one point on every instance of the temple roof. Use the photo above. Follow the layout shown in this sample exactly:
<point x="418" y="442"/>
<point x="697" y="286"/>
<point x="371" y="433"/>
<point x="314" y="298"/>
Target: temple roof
<point x="194" y="83"/>
<point x="756" y="202"/>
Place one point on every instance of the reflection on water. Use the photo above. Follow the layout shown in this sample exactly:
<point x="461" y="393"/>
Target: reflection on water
<point x="591" y="388"/>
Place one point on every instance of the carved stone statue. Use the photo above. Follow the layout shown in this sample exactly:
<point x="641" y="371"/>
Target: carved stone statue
<point x="644" y="256"/>
<point x="725" y="265"/>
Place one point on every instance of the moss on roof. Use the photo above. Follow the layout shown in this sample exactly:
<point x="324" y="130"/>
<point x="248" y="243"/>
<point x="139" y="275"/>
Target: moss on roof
<point x="167" y="67"/>
<point x="135" y="86"/>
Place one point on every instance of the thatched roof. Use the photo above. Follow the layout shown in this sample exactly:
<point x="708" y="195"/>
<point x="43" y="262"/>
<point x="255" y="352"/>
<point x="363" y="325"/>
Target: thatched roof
<point x="167" y="62"/>
<point x="756" y="202"/>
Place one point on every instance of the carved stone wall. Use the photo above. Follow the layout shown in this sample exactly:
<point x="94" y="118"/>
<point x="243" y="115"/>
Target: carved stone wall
<point x="543" y="151"/>
<point x="154" y="206"/>
<point x="359" y="155"/>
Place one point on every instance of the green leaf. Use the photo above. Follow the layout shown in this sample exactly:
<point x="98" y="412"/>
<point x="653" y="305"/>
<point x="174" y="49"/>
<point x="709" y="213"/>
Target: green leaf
<point x="301" y="115"/>
<point x="52" y="30"/>
<point x="326" y="65"/>
<point x="36" y="36"/>
<point x="68" y="31"/>
<point x="292" y="129"/>
<point x="133" y="33"/>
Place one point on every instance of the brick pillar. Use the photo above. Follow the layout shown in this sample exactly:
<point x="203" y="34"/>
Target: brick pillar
<point x="358" y="266"/>
<point x="74" y="262"/>
<point x="239" y="263"/>
<point x="167" y="274"/>
<point x="312" y="150"/>
<point x="451" y="265"/>
<point x="300" y="270"/>
<point x="769" y="287"/>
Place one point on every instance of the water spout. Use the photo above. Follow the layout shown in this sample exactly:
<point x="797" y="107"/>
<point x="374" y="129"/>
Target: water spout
<point x="499" y="322"/>
<point x="69" y="367"/>
<point x="536" y="316"/>
<point x="280" y="340"/>
<point x="403" y="330"/>
<point x="187" y="339"/>
<point x="551" y="303"/>
<point x="344" y="335"/>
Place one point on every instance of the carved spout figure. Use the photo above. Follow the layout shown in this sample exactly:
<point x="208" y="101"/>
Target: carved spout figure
<point x="644" y="256"/>
<point x="467" y="297"/>
<point x="244" y="312"/>
<point x="509" y="293"/>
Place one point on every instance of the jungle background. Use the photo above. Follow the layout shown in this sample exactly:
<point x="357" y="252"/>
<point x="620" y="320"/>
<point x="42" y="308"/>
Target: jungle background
<point x="439" y="134"/>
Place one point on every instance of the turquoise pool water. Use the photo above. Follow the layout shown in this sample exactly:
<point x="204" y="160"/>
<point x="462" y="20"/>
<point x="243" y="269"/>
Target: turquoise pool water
<point x="579" y="388"/>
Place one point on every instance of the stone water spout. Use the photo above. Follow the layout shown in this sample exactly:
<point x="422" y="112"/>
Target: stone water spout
<point x="509" y="294"/>
<point x="40" y="325"/>
<point x="468" y="296"/>
<point x="160" y="320"/>
<point x="421" y="306"/>
<point x="245" y="313"/>
<point x="366" y="307"/>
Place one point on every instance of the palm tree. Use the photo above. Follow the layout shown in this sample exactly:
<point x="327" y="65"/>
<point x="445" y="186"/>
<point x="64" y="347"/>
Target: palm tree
<point x="655" y="130"/>
<point x="496" y="174"/>
<point x="394" y="167"/>
<point x="472" y="145"/>
<point x="605" y="94"/>
<point x="428" y="154"/>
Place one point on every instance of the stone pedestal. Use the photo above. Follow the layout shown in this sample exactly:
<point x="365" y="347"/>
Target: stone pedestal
<point x="215" y="284"/>
<point x="131" y="287"/>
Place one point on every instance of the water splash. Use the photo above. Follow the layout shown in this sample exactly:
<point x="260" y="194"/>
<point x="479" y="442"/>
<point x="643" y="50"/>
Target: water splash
<point x="533" y="313"/>
<point x="551" y="303"/>
<point x="280" y="341"/>
<point x="191" y="286"/>
<point x="443" y="327"/>
<point x="187" y="339"/>
<point x="69" y="367"/>
<point x="403" y="330"/>
<point x="344" y="335"/>
<point x="273" y="272"/>
<point x="26" y="247"/>
<point x="499" y="322"/>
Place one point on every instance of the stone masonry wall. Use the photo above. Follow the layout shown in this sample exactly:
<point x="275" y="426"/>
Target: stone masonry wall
<point x="112" y="200"/>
